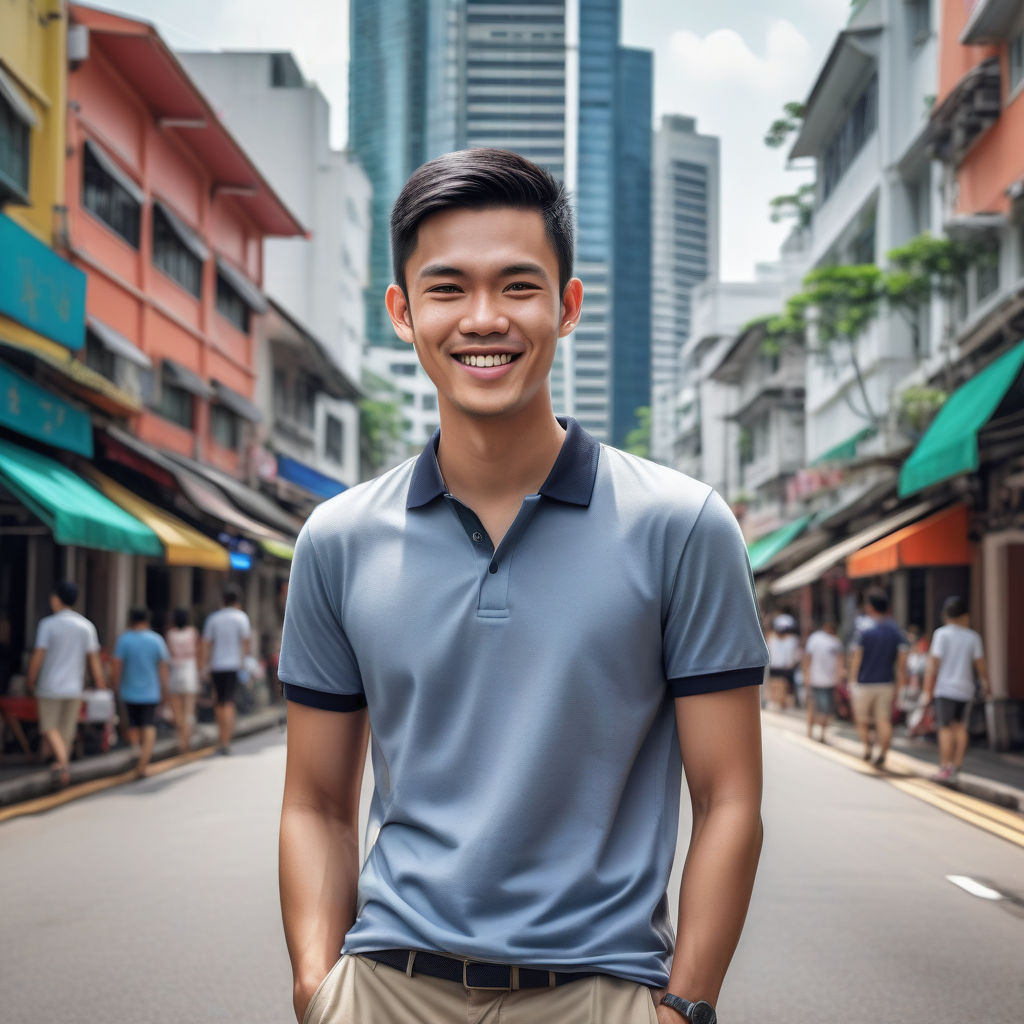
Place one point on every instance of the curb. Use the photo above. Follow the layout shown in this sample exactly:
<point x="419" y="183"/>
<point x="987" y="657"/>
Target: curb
<point x="36" y="782"/>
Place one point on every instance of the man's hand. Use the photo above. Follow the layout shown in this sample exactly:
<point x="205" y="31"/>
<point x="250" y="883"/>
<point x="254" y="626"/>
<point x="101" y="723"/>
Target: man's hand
<point x="303" y="991"/>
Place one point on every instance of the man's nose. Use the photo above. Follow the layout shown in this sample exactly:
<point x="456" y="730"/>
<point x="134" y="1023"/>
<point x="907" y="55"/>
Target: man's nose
<point x="484" y="316"/>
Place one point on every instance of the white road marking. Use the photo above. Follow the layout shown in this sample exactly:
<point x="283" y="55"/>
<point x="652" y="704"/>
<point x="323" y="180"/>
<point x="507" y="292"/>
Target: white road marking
<point x="974" y="887"/>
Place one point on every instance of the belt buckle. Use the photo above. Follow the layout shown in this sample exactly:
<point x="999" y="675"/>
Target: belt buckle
<point x="484" y="988"/>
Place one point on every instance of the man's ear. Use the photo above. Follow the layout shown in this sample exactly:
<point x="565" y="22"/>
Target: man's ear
<point x="397" y="303"/>
<point x="572" y="307"/>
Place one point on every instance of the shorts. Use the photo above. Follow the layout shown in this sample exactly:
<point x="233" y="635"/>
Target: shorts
<point x="224" y="684"/>
<point x="783" y="673"/>
<point x="824" y="699"/>
<point x="140" y="716"/>
<point x="184" y="678"/>
<point x="60" y="713"/>
<point x="873" y="701"/>
<point x="948" y="711"/>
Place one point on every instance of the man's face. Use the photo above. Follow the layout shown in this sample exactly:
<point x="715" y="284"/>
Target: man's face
<point x="483" y="309"/>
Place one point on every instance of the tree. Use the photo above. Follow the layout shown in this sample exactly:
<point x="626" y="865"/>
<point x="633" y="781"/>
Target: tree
<point x="638" y="440"/>
<point x="380" y="424"/>
<point x="781" y="128"/>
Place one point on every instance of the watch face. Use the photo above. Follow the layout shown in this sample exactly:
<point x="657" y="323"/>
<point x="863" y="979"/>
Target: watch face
<point x="703" y="1013"/>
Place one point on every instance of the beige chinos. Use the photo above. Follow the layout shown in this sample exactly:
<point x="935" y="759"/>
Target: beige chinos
<point x="362" y="991"/>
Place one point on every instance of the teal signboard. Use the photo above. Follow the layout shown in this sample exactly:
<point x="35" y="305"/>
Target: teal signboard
<point x="39" y="289"/>
<point x="30" y="410"/>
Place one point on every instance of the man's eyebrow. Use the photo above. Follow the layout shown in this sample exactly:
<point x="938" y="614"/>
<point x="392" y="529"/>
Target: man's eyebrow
<point x="440" y="270"/>
<point x="524" y="268"/>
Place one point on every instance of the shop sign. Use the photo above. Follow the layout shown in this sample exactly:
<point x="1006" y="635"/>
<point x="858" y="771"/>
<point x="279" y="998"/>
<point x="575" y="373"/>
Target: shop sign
<point x="39" y="289"/>
<point x="35" y="412"/>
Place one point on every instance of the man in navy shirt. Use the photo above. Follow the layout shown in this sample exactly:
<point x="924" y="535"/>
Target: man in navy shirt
<point x="878" y="664"/>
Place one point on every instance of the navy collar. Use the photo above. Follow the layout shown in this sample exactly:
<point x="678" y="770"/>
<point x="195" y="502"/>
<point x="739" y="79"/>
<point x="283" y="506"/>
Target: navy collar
<point x="571" y="479"/>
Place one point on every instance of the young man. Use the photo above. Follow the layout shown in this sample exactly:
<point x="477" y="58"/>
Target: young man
<point x="227" y="640"/>
<point x="878" y="662"/>
<point x="822" y="664"/>
<point x="65" y="642"/>
<point x="956" y="655"/>
<point x="140" y="670"/>
<point x="534" y="627"/>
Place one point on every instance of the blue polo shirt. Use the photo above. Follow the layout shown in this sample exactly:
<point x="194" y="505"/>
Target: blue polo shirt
<point x="880" y="645"/>
<point x="141" y="651"/>
<point x="526" y="763"/>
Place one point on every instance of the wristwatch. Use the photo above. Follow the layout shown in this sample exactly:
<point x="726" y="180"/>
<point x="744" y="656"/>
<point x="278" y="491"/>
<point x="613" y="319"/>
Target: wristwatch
<point x="696" y="1013"/>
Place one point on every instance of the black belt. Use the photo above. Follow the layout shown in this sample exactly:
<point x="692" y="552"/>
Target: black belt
<point x="473" y="974"/>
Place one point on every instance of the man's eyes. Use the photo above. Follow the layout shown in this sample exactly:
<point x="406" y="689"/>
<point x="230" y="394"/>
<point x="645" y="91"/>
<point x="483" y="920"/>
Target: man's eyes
<point x="454" y="289"/>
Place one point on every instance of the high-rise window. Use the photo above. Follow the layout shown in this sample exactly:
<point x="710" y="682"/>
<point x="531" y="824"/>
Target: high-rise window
<point x="15" y="132"/>
<point x="107" y="198"/>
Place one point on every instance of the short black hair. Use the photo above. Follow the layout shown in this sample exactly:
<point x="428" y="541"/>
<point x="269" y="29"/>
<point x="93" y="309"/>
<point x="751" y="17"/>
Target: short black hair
<point x="181" y="618"/>
<point x="478" y="179"/>
<point x="879" y="600"/>
<point x="954" y="607"/>
<point x="138" y="614"/>
<point x="66" y="592"/>
<point x="232" y="594"/>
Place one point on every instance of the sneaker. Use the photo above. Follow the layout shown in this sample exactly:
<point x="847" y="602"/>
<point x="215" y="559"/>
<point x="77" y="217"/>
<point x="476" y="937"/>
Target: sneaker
<point x="224" y="751"/>
<point x="879" y="761"/>
<point x="944" y="774"/>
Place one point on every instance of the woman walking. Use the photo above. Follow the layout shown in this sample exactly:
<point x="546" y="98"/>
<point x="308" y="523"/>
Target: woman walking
<point x="183" y="643"/>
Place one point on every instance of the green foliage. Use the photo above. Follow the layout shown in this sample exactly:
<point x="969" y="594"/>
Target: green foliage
<point x="918" y="406"/>
<point x="926" y="266"/>
<point x="781" y="128"/>
<point x="380" y="423"/>
<point x="638" y="440"/>
<point x="798" y="206"/>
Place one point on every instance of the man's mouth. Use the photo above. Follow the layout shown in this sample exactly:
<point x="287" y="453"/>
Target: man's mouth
<point x="492" y="359"/>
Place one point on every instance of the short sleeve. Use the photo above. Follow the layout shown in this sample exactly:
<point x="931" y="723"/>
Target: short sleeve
<point x="165" y="654"/>
<point x="208" y="628"/>
<point x="120" y="646"/>
<point x="936" y="650"/>
<point x="712" y="637"/>
<point x="317" y="663"/>
<point x="246" y="626"/>
<point x="94" y="640"/>
<point x="978" y="651"/>
<point x="43" y="634"/>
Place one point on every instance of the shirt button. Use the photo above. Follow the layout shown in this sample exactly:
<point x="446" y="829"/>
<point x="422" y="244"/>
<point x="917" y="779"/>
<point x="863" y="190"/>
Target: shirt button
<point x="493" y="568"/>
<point x="478" y="536"/>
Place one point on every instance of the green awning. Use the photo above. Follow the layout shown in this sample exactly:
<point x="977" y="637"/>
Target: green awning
<point x="764" y="549"/>
<point x="74" y="511"/>
<point x="950" y="445"/>
<point x="847" y="450"/>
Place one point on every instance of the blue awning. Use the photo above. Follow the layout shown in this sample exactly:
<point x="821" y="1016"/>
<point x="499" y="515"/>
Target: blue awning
<point x="305" y="476"/>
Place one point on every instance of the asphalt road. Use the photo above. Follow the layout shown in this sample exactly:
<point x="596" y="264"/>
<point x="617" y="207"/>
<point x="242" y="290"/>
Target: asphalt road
<point x="157" y="902"/>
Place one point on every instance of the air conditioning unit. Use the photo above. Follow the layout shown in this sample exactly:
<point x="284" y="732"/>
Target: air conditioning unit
<point x="78" y="44"/>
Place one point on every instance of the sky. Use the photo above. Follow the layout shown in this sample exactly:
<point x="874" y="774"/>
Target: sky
<point x="732" y="64"/>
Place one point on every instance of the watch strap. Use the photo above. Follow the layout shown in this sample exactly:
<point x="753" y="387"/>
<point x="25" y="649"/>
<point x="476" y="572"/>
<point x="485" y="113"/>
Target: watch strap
<point x="677" y="1003"/>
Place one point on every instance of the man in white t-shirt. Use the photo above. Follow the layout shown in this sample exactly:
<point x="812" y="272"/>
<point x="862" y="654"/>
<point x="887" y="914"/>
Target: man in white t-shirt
<point x="65" y="642"/>
<point x="227" y="638"/>
<point x="823" y="664"/>
<point x="955" y="658"/>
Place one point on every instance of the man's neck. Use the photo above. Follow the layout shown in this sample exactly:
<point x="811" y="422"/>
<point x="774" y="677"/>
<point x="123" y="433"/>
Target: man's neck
<point x="498" y="459"/>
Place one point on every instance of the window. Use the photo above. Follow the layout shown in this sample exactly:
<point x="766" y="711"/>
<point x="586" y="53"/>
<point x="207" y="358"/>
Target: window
<point x="334" y="439"/>
<point x="848" y="141"/>
<point x="231" y="305"/>
<point x="305" y="400"/>
<point x="919" y="20"/>
<point x="1017" y="61"/>
<point x="225" y="427"/>
<point x="176" y="405"/>
<point x="862" y="248"/>
<point x="14" y="144"/>
<point x="280" y="392"/>
<point x="987" y="274"/>
<point x="98" y="357"/>
<point x="171" y="256"/>
<point x="107" y="199"/>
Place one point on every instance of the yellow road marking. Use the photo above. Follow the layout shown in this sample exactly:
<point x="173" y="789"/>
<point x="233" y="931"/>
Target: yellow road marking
<point x="83" y="789"/>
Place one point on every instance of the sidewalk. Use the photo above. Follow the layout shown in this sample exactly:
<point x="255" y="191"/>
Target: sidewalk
<point x="987" y="774"/>
<point x="27" y="781"/>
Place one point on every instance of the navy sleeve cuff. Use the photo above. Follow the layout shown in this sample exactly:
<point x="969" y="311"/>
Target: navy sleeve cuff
<point x="712" y="682"/>
<point x="324" y="701"/>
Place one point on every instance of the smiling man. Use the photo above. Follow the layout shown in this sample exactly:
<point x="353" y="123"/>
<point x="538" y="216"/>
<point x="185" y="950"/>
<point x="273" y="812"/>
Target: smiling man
<point x="539" y="632"/>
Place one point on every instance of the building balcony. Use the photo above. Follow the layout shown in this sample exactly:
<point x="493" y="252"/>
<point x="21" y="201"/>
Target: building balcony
<point x="967" y="112"/>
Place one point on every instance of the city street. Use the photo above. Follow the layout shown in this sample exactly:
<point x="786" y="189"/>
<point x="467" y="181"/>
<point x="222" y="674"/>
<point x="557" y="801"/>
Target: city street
<point x="157" y="901"/>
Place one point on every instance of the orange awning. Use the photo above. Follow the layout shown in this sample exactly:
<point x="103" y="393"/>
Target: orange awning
<point x="941" y="539"/>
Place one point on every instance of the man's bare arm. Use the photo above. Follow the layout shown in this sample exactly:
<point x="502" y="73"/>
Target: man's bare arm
<point x="96" y="667"/>
<point x="35" y="664"/>
<point x="930" y="675"/>
<point x="853" y="664"/>
<point x="720" y="740"/>
<point x="319" y="841"/>
<point x="981" y="668"/>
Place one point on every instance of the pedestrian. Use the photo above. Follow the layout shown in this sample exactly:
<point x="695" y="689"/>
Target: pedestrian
<point x="784" y="655"/>
<point x="140" y="671"/>
<point x="823" y="666"/>
<point x="65" y="643"/>
<point x="183" y="643"/>
<point x="956" y="657"/>
<point x="877" y="670"/>
<point x="227" y="639"/>
<point x="541" y="631"/>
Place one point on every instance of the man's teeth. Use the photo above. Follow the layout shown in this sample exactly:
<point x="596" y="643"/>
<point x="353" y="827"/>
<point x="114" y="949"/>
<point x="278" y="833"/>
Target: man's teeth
<point x="498" y="360"/>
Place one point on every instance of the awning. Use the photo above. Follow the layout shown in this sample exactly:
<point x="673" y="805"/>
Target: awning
<point x="278" y="550"/>
<point x="27" y="408"/>
<point x="816" y="567"/>
<point x="763" y="550"/>
<point x="185" y="378"/>
<point x="183" y="545"/>
<point x="941" y="539"/>
<point x="117" y="343"/>
<point x="247" y="290"/>
<point x="238" y="404"/>
<point x="846" y="450"/>
<point x="17" y="100"/>
<point x="123" y="178"/>
<point x="75" y="512"/>
<point x="204" y="496"/>
<point x="186" y="235"/>
<point x="306" y="476"/>
<point x="950" y="445"/>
